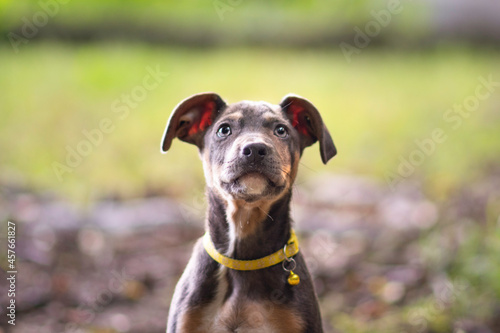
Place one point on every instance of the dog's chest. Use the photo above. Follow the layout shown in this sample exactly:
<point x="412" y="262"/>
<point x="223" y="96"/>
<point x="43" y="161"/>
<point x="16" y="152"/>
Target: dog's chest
<point x="239" y="314"/>
<point x="251" y="317"/>
<point x="248" y="317"/>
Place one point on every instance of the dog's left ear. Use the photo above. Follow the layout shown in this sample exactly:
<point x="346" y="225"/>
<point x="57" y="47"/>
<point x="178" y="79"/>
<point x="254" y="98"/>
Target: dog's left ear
<point x="191" y="118"/>
<point x="306" y="119"/>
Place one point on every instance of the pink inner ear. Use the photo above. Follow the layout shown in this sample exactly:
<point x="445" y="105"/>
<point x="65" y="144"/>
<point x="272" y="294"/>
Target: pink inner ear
<point x="205" y="119"/>
<point x="295" y="112"/>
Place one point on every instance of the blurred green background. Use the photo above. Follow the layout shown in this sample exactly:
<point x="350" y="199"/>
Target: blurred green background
<point x="65" y="66"/>
<point x="65" y="63"/>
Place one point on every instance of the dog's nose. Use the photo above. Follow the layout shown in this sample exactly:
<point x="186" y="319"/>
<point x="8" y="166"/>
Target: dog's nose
<point x="254" y="152"/>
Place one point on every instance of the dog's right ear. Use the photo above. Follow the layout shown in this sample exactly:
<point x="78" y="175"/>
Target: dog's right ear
<point x="191" y="118"/>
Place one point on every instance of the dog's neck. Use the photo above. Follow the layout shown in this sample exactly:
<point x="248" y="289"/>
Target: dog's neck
<point x="247" y="233"/>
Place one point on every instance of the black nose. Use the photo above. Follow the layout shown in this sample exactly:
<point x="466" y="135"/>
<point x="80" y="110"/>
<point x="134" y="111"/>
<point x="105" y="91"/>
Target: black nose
<point x="254" y="152"/>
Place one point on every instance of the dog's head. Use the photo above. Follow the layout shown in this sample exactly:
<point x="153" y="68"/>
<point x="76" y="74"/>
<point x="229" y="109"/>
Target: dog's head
<point x="250" y="150"/>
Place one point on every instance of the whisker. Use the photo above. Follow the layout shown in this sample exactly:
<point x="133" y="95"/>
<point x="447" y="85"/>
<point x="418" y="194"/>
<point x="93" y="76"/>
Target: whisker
<point x="305" y="166"/>
<point x="266" y="214"/>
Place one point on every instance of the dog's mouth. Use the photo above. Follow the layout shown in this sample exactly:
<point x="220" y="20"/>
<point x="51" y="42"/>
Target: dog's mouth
<point x="252" y="186"/>
<point x="255" y="183"/>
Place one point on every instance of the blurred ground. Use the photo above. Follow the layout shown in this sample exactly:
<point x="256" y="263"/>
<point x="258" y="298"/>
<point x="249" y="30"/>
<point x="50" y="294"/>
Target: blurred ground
<point x="382" y="260"/>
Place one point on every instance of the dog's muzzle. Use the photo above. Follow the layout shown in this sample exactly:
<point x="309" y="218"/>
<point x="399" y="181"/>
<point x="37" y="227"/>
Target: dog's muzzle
<point x="254" y="173"/>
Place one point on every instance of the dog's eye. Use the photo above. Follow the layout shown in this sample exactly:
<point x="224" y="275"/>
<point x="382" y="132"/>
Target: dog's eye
<point x="280" y="131"/>
<point x="224" y="131"/>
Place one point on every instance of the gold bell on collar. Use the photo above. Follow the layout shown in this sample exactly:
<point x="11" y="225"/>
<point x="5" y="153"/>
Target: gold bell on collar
<point x="293" y="279"/>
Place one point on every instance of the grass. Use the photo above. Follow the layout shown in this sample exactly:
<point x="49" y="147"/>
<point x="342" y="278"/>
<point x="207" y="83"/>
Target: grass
<point x="375" y="107"/>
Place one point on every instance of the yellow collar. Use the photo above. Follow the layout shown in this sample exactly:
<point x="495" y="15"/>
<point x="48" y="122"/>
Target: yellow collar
<point x="290" y="249"/>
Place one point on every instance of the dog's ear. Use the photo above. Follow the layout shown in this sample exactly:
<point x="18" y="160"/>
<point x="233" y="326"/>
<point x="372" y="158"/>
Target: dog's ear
<point x="306" y="119"/>
<point x="191" y="118"/>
